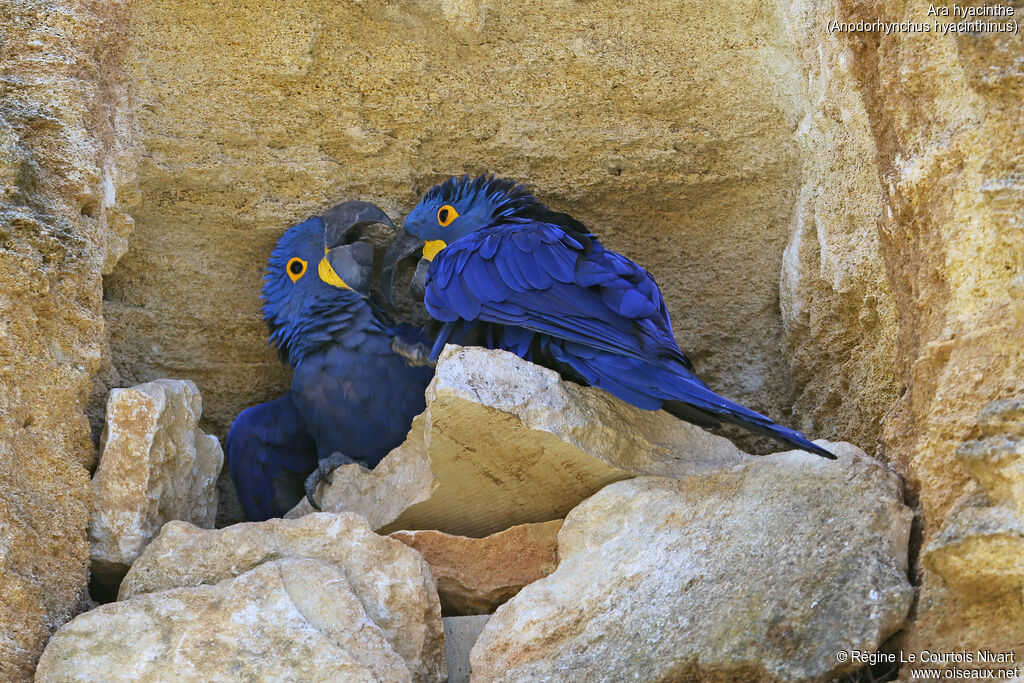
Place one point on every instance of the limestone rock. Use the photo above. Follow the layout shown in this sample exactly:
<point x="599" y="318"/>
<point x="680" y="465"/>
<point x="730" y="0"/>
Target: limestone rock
<point x="155" y="466"/>
<point x="979" y="551"/>
<point x="460" y="633"/>
<point x="401" y="479"/>
<point x="474" y="575"/>
<point x="67" y="154"/>
<point x="760" y="572"/>
<point x="838" y="310"/>
<point x="505" y="442"/>
<point x="392" y="582"/>
<point x="291" y="619"/>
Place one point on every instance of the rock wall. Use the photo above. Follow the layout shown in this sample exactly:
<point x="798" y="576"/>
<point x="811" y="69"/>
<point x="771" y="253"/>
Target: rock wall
<point x="837" y="308"/>
<point x="674" y="142"/>
<point x="939" y="118"/>
<point x="66" y="159"/>
<point x="946" y="116"/>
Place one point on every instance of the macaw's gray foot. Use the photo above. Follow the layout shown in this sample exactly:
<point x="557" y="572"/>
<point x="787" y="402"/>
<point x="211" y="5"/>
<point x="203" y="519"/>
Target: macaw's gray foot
<point x="415" y="353"/>
<point x="323" y="473"/>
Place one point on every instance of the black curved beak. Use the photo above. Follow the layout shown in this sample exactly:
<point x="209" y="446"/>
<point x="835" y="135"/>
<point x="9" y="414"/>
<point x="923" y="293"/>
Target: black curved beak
<point x="350" y="259"/>
<point x="403" y="247"/>
<point x="343" y="223"/>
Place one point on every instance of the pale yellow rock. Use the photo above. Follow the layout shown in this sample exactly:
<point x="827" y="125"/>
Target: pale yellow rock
<point x="287" y="620"/>
<point x="943" y="109"/>
<point x="66" y="175"/>
<point x="978" y="554"/>
<point x="505" y="442"/>
<point x="701" y="145"/>
<point x="155" y="466"/>
<point x="391" y="581"/>
<point x="762" y="572"/>
<point x="401" y="479"/>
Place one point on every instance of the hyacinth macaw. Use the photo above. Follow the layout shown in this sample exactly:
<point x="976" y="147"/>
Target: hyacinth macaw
<point x="536" y="282"/>
<point x="352" y="398"/>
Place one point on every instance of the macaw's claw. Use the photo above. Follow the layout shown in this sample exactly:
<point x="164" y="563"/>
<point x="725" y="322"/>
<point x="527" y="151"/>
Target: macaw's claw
<point x="324" y="472"/>
<point x="415" y="353"/>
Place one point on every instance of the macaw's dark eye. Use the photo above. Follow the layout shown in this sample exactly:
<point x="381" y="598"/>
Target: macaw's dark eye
<point x="296" y="268"/>
<point x="446" y="214"/>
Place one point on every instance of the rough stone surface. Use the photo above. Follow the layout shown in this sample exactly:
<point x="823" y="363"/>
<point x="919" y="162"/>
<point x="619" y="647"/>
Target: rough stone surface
<point x="887" y="166"/>
<point x="460" y="633"/>
<point x="673" y="142"/>
<point x="392" y="582"/>
<point x="944" y="114"/>
<point x="507" y="442"/>
<point x="977" y="557"/>
<point x="475" y="575"/>
<point x="155" y="466"/>
<point x="380" y="495"/>
<point x="738" y="574"/>
<point x="292" y="619"/>
<point x="66" y="158"/>
<point x="837" y="309"/>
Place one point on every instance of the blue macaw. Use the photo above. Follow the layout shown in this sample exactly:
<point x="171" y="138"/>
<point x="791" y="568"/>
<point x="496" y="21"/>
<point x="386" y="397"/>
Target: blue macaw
<point x="536" y="282"/>
<point x="352" y="397"/>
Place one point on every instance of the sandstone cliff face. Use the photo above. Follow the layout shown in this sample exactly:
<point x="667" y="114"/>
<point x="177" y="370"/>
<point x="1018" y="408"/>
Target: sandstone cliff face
<point x="65" y="176"/>
<point x="949" y="130"/>
<point x="836" y="304"/>
<point x="939" y="119"/>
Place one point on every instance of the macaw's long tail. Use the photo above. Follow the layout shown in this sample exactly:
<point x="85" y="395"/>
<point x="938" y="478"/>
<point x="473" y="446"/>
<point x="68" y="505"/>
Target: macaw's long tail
<point x="733" y="413"/>
<point x="670" y="385"/>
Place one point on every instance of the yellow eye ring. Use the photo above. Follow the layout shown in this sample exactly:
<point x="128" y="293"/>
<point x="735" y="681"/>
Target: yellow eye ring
<point x="446" y="214"/>
<point x="296" y="268"/>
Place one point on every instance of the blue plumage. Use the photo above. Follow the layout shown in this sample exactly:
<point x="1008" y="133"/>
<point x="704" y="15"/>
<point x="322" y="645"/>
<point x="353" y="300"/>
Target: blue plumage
<point x="349" y="393"/>
<point x="269" y="456"/>
<point x="540" y="285"/>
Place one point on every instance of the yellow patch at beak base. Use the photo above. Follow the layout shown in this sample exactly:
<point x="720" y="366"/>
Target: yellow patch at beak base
<point x="431" y="247"/>
<point x="327" y="274"/>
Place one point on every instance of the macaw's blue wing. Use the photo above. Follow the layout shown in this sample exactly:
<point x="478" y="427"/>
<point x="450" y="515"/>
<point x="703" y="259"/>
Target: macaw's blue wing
<point x="269" y="454"/>
<point x="600" y="317"/>
<point x="537" y="277"/>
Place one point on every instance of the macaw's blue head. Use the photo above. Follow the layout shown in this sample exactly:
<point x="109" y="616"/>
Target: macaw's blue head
<point x="310" y="291"/>
<point x="461" y="205"/>
<point x="453" y="209"/>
